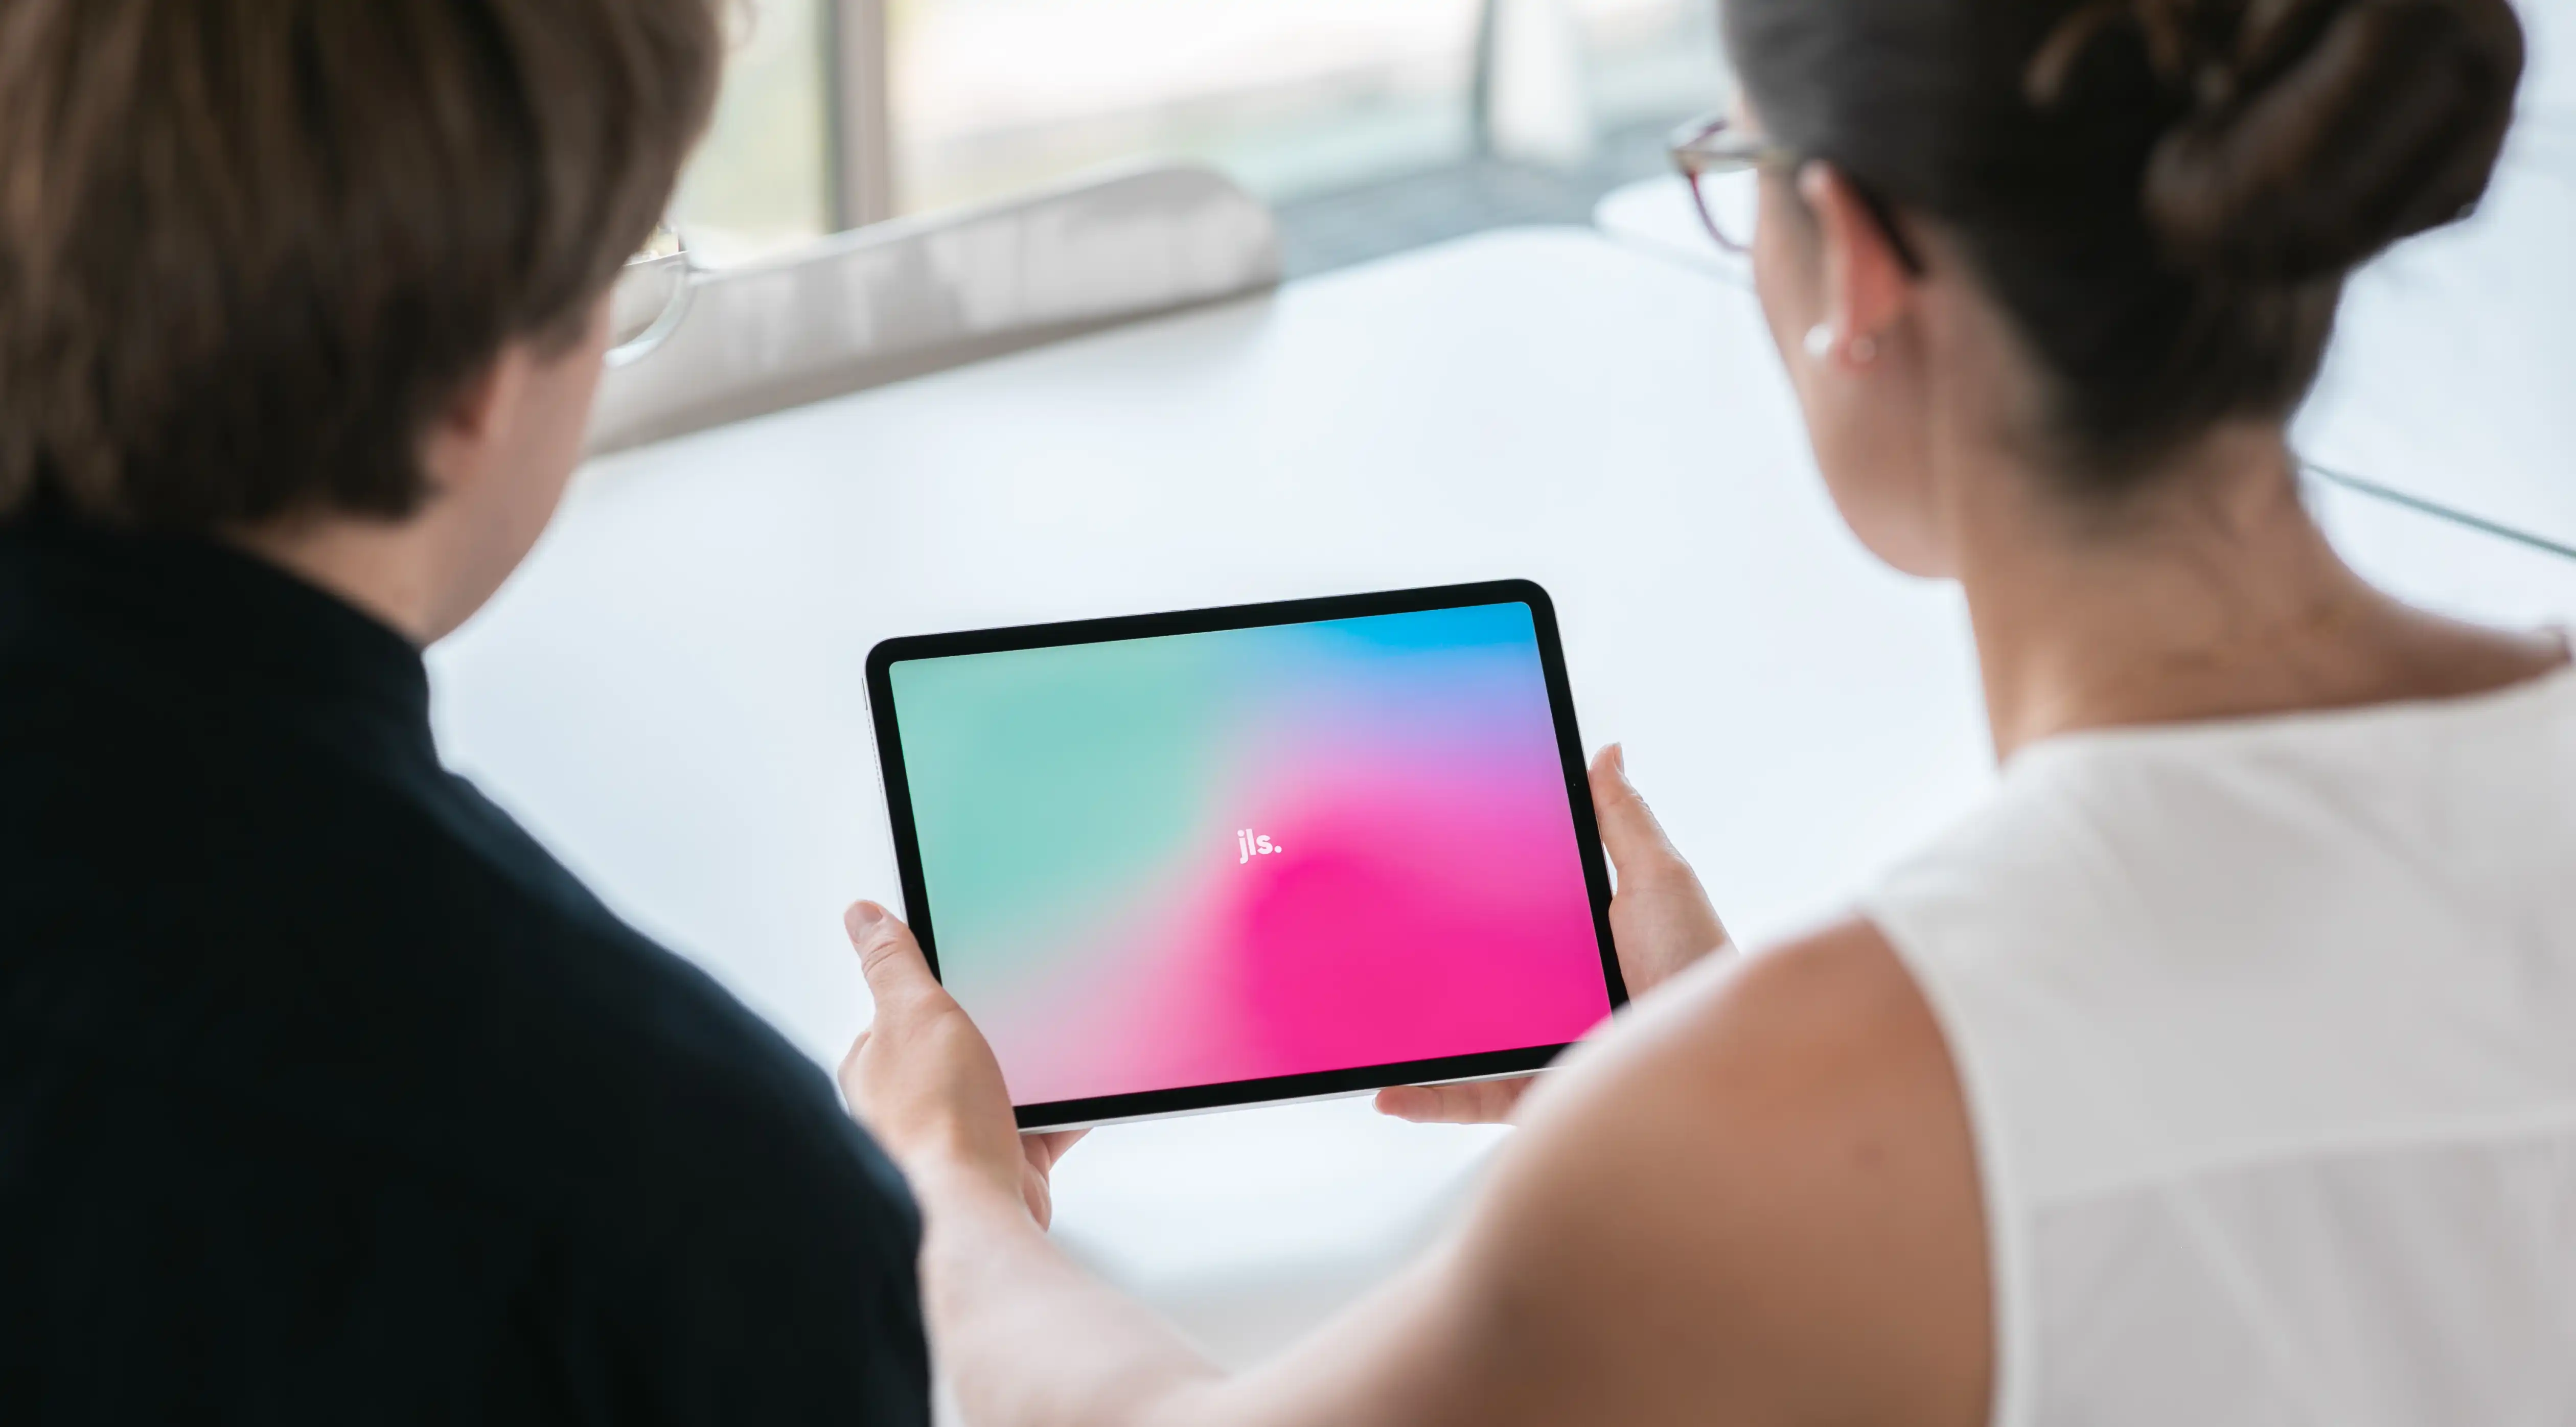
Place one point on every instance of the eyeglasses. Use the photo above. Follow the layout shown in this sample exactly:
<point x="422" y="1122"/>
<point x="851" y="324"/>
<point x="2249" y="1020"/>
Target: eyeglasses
<point x="1709" y="149"/>
<point x="1715" y="145"/>
<point x="649" y="298"/>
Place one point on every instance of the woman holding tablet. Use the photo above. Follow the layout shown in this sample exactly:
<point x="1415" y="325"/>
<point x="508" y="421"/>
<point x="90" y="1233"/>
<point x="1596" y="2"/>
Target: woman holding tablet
<point x="2223" y="1068"/>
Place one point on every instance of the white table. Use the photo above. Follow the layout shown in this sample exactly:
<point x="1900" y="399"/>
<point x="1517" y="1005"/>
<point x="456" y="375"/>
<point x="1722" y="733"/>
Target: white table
<point x="2453" y="376"/>
<point x="670" y="693"/>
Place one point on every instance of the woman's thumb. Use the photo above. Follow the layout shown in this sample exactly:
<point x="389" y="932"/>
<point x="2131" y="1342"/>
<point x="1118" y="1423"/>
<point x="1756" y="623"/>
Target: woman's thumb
<point x="1628" y="826"/>
<point x="888" y="956"/>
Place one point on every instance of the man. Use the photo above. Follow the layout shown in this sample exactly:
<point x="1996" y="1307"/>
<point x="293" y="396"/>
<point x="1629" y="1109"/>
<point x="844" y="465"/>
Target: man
<point x="326" y="1095"/>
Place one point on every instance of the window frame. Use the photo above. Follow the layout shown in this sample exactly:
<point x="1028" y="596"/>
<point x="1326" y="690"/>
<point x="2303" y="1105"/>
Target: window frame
<point x="859" y="149"/>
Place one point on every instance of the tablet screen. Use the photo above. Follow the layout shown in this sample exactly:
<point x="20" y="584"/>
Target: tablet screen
<point x="1215" y="857"/>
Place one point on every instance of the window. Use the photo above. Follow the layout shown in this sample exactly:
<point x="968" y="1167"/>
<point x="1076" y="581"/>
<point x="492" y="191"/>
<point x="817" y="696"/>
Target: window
<point x="962" y="101"/>
<point x="1651" y="61"/>
<point x="1288" y="96"/>
<point x="761" y="181"/>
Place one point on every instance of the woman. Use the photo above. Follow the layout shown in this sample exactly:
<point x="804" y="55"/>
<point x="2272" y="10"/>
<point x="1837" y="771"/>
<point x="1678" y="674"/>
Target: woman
<point x="2223" y="1068"/>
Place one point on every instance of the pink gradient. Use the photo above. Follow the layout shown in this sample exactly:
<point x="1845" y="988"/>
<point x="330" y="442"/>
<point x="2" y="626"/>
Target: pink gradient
<point x="1421" y="906"/>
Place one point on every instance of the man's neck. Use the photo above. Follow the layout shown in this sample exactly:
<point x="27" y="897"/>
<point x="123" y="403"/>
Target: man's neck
<point x="381" y="568"/>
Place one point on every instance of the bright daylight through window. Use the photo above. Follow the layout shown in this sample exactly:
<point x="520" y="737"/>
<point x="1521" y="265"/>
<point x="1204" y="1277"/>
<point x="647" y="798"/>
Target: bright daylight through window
<point x="1292" y="98"/>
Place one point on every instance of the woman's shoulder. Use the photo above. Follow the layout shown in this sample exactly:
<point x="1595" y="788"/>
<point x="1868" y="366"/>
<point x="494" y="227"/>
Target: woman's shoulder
<point x="1772" y="1161"/>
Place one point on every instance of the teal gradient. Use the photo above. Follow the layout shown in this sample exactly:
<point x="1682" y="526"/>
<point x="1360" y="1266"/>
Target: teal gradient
<point x="1049" y="782"/>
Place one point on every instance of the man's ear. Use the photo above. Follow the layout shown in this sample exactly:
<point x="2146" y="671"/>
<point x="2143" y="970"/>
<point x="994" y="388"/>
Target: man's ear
<point x="1867" y="288"/>
<point x="455" y="446"/>
<point x="467" y="426"/>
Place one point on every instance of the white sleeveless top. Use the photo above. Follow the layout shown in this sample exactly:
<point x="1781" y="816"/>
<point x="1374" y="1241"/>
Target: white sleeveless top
<point x="2268" y="1035"/>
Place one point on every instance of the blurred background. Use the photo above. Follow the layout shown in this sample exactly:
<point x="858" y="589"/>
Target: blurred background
<point x="1370" y="125"/>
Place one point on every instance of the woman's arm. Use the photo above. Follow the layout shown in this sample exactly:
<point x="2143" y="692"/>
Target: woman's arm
<point x="1754" y="1201"/>
<point x="1025" y="1336"/>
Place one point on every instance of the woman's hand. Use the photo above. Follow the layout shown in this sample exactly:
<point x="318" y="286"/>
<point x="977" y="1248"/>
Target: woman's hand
<point x="1661" y="920"/>
<point x="924" y="1080"/>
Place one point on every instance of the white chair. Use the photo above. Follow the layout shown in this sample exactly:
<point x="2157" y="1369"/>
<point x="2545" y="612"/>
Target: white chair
<point x="913" y="296"/>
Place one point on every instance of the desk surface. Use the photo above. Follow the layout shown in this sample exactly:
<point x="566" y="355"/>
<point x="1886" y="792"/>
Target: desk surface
<point x="671" y="695"/>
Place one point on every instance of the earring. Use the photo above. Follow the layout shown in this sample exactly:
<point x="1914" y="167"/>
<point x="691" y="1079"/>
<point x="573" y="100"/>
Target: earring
<point x="1821" y="346"/>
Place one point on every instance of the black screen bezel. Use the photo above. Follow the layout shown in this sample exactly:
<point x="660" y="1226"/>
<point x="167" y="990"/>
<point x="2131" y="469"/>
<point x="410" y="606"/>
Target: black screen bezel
<point x="1271" y="1089"/>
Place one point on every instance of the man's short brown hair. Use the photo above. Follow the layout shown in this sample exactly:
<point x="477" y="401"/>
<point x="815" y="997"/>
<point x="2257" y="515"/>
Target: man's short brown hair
<point x="250" y="248"/>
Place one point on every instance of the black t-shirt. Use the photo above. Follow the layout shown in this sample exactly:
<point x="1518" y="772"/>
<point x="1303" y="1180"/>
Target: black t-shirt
<point x="327" y="1096"/>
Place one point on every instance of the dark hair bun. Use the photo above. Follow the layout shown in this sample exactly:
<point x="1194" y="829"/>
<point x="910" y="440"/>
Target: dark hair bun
<point x="2326" y="130"/>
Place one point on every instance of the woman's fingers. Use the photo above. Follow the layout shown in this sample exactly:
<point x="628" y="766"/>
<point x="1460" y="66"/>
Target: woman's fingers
<point x="1037" y="1188"/>
<point x="1047" y="1150"/>
<point x="1629" y="831"/>
<point x="1483" y="1102"/>
<point x="1661" y="917"/>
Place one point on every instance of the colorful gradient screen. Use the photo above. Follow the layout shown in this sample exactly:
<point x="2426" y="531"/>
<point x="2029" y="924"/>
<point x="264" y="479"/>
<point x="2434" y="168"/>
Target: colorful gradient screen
<point x="1196" y="859"/>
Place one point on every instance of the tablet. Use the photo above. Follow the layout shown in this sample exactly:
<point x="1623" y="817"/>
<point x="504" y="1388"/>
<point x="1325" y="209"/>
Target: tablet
<point x="1240" y="856"/>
